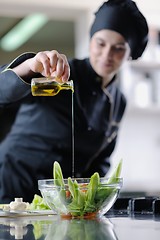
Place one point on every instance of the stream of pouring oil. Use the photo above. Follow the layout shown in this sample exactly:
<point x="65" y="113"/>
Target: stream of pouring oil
<point x="73" y="160"/>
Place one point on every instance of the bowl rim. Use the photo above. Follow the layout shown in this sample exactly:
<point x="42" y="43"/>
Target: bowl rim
<point x="101" y="178"/>
<point x="48" y="183"/>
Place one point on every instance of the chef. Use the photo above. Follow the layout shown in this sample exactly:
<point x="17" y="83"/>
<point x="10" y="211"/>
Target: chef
<point x="43" y="129"/>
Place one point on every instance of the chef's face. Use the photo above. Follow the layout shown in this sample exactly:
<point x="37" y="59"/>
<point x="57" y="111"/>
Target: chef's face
<point x="108" y="50"/>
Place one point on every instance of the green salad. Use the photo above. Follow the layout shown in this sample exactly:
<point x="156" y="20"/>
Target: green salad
<point x="80" y="199"/>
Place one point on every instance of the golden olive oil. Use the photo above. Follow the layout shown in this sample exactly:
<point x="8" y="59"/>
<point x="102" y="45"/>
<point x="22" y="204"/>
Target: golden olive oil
<point x="48" y="87"/>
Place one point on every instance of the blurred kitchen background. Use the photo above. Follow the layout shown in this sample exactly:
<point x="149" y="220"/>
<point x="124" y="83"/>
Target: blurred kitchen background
<point x="64" y="25"/>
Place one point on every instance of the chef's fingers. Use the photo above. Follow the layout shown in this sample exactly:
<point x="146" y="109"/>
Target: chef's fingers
<point x="42" y="64"/>
<point x="51" y="64"/>
<point x="62" y="68"/>
<point x="66" y="73"/>
<point x="59" y="66"/>
<point x="53" y="57"/>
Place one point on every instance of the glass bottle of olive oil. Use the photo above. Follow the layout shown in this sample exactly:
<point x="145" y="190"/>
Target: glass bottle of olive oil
<point x="49" y="87"/>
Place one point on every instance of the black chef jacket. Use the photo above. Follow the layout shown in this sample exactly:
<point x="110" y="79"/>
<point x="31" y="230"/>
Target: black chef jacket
<point x="82" y="126"/>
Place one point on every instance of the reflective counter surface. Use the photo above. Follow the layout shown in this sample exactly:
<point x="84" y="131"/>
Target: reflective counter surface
<point x="110" y="227"/>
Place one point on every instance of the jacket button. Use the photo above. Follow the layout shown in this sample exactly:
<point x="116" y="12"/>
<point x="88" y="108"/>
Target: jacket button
<point x="89" y="128"/>
<point x="107" y="134"/>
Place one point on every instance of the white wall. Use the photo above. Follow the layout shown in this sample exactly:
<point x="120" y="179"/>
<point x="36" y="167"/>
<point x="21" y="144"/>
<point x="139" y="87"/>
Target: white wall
<point x="139" y="147"/>
<point x="151" y="8"/>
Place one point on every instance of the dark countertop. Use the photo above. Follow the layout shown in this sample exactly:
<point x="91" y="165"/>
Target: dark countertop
<point x="110" y="227"/>
<point x="130" y="218"/>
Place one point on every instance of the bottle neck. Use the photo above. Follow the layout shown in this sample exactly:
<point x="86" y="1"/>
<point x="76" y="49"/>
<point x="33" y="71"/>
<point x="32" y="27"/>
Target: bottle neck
<point x="67" y="85"/>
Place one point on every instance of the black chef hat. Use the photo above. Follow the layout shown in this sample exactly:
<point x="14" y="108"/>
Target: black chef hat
<point x="124" y="17"/>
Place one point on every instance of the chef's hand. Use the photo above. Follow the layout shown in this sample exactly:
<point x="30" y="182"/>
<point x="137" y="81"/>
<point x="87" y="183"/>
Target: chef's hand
<point x="50" y="64"/>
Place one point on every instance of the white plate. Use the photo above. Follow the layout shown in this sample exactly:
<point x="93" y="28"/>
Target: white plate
<point x="18" y="213"/>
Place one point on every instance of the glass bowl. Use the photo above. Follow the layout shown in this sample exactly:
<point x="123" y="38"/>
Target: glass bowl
<point x="78" y="198"/>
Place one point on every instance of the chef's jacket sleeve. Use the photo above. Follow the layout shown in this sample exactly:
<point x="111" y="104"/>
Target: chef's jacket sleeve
<point x="12" y="87"/>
